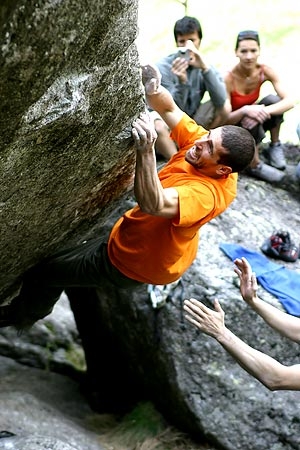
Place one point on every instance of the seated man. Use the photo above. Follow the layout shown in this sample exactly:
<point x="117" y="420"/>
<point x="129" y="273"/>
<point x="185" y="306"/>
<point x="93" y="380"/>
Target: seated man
<point x="188" y="77"/>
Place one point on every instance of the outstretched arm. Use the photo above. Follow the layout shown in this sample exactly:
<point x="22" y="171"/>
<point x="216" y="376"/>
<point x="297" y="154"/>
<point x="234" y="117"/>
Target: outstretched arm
<point x="285" y="324"/>
<point x="151" y="196"/>
<point x="158" y="98"/>
<point x="267" y="370"/>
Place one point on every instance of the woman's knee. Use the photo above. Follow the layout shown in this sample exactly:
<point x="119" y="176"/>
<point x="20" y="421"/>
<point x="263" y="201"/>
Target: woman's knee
<point x="161" y="128"/>
<point x="270" y="100"/>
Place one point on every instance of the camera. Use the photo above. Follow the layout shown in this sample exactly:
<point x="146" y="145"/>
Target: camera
<point x="183" y="52"/>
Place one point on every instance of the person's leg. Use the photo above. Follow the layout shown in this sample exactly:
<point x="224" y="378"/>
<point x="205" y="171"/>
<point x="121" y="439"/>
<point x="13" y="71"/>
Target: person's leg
<point x="206" y="114"/>
<point x="43" y="284"/>
<point x="35" y="301"/>
<point x="256" y="160"/>
<point x="221" y="115"/>
<point x="258" y="168"/>
<point x="164" y="145"/>
<point x="102" y="370"/>
<point x="82" y="266"/>
<point x="209" y="116"/>
<point x="274" y="153"/>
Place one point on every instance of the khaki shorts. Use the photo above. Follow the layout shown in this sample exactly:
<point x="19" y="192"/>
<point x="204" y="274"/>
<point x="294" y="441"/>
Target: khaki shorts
<point x="205" y="114"/>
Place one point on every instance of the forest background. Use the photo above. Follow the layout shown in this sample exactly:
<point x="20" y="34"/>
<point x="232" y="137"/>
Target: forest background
<point x="277" y="24"/>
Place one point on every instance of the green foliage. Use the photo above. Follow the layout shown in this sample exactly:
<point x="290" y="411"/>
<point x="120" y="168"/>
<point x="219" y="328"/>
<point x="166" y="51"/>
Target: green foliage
<point x="141" y="429"/>
<point x="139" y="424"/>
<point x="75" y="355"/>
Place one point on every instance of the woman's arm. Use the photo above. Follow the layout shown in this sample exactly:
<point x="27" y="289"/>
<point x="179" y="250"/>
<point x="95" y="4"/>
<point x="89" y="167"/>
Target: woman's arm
<point x="286" y="101"/>
<point x="255" y="112"/>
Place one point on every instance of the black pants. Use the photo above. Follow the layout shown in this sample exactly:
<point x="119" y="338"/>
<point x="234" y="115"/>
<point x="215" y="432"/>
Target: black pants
<point x="258" y="132"/>
<point x="86" y="265"/>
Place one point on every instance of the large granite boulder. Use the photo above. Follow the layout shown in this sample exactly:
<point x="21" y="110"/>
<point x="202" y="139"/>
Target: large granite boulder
<point x="40" y="410"/>
<point x="70" y="88"/>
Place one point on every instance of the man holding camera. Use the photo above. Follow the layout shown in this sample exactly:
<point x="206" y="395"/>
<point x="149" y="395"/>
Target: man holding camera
<point x="187" y="77"/>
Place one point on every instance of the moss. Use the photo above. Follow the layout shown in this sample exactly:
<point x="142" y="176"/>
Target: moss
<point x="141" y="429"/>
<point x="75" y="356"/>
<point x="143" y="420"/>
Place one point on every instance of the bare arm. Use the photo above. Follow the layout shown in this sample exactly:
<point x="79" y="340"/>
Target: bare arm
<point x="286" y="101"/>
<point x="213" y="81"/>
<point x="151" y="196"/>
<point x="158" y="98"/>
<point x="267" y="370"/>
<point x="199" y="61"/>
<point x="285" y="324"/>
<point x="256" y="113"/>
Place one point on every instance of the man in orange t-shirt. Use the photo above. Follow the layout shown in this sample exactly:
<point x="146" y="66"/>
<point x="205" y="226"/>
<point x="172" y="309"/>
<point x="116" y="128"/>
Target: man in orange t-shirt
<point x="168" y="245"/>
<point x="156" y="241"/>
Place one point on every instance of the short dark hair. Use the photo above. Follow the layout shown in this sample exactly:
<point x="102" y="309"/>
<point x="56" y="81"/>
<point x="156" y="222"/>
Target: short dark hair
<point x="187" y="25"/>
<point x="240" y="145"/>
<point x="247" y="34"/>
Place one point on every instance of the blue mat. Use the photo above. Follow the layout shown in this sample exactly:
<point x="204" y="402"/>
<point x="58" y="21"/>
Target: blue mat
<point x="276" y="279"/>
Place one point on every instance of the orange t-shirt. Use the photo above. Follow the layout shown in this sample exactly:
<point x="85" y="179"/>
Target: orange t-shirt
<point x="157" y="250"/>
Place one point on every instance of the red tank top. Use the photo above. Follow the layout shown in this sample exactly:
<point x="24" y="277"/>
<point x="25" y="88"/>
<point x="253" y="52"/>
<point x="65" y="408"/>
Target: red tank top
<point x="238" y="100"/>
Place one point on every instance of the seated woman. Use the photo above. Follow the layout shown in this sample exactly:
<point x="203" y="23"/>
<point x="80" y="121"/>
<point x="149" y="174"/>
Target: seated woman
<point x="243" y="84"/>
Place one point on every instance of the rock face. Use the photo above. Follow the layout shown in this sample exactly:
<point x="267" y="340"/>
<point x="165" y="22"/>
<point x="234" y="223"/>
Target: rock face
<point x="135" y="352"/>
<point x="190" y="377"/>
<point x="31" y="419"/>
<point x="70" y="88"/>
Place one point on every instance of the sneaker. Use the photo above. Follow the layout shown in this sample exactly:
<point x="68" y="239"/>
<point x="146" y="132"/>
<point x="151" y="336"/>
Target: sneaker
<point x="265" y="172"/>
<point x="160" y="294"/>
<point x="275" y="155"/>
<point x="280" y="246"/>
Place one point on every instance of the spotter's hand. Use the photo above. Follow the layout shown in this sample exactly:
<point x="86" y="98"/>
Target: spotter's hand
<point x="143" y="133"/>
<point x="248" y="281"/>
<point x="208" y="321"/>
